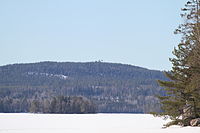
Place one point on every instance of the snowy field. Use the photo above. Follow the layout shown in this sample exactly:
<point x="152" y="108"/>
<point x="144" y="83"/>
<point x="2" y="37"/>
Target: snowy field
<point x="86" y="123"/>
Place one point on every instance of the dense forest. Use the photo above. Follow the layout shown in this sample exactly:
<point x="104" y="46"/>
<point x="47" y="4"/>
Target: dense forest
<point x="81" y="87"/>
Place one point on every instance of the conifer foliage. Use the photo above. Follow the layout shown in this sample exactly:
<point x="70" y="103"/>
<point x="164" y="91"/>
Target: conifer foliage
<point x="182" y="101"/>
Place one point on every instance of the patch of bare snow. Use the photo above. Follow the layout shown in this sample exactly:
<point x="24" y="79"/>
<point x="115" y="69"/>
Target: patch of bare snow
<point x="49" y="75"/>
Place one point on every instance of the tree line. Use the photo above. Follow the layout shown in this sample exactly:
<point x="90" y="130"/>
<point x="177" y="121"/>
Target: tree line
<point x="58" y="105"/>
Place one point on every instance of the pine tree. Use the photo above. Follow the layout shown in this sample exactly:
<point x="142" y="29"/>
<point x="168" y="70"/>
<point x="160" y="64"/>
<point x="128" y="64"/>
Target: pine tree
<point x="182" y="100"/>
<point x="34" y="108"/>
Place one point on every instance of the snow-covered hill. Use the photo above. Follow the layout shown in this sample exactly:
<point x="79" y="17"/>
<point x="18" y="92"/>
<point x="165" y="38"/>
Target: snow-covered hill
<point x="87" y="123"/>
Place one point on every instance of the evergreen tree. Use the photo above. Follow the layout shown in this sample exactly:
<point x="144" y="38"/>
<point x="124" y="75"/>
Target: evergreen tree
<point x="34" y="108"/>
<point x="182" y="101"/>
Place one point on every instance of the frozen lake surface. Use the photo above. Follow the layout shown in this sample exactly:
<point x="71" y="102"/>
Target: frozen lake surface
<point x="87" y="123"/>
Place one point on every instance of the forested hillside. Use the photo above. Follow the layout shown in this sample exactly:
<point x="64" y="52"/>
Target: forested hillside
<point x="111" y="87"/>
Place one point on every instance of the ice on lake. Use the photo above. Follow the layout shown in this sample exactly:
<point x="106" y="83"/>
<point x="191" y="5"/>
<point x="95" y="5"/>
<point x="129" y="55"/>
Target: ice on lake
<point x="87" y="123"/>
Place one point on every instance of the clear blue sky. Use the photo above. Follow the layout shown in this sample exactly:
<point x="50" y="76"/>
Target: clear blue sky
<point x="137" y="32"/>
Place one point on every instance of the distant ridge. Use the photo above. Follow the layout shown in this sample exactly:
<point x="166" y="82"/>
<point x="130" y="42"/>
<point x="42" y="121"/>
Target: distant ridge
<point x="114" y="87"/>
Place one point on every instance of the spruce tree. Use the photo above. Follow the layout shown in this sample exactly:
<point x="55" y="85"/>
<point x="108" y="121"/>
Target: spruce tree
<point x="182" y="100"/>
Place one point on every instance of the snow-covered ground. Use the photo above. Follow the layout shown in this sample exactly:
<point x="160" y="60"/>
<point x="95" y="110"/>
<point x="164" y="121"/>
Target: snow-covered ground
<point x="87" y="123"/>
